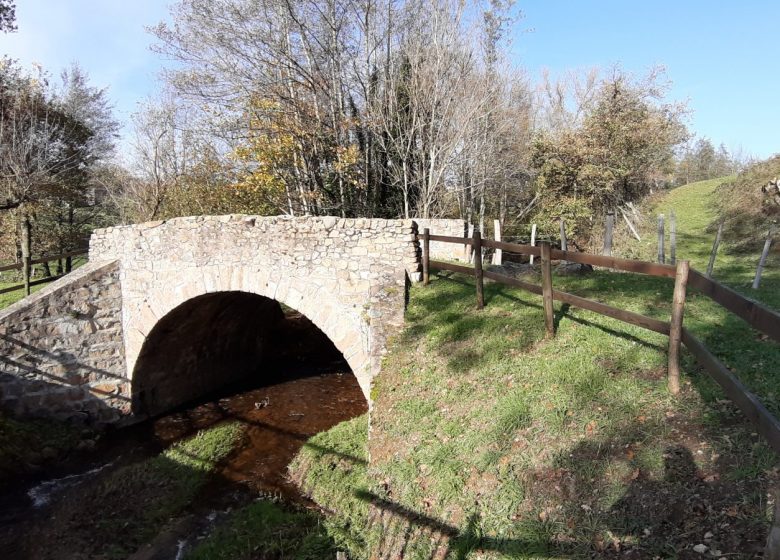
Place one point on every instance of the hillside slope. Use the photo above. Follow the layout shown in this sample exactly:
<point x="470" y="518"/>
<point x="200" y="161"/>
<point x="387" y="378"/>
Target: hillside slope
<point x="698" y="208"/>
<point x="489" y="441"/>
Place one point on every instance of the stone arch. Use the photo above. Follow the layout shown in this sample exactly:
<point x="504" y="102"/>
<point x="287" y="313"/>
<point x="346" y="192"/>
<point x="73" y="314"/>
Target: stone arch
<point x="207" y="342"/>
<point x="336" y="313"/>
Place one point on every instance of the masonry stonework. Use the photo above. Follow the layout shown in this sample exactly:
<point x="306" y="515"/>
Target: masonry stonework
<point x="73" y="348"/>
<point x="62" y="350"/>
<point x="452" y="228"/>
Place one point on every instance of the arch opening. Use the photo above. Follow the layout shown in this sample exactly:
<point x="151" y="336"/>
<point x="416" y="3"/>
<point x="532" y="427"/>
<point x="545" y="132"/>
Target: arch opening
<point x="225" y="339"/>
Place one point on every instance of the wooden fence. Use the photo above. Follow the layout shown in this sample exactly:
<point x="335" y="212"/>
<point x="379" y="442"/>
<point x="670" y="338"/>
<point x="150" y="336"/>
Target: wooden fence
<point x="26" y="267"/>
<point x="756" y="315"/>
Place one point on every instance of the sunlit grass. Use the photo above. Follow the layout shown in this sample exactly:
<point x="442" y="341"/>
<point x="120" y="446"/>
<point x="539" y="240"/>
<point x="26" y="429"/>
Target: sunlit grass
<point x="518" y="446"/>
<point x="9" y="280"/>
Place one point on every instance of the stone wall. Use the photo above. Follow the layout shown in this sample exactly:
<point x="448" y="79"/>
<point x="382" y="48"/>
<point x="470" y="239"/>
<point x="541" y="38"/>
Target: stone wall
<point x="453" y="228"/>
<point x="62" y="351"/>
<point x="73" y="348"/>
<point x="348" y="276"/>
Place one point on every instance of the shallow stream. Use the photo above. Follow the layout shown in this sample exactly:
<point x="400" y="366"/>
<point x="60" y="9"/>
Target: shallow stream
<point x="279" y="413"/>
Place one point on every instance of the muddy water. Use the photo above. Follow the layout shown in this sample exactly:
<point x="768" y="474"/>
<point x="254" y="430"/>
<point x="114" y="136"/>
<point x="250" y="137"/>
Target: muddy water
<point x="279" y="418"/>
<point x="280" y="410"/>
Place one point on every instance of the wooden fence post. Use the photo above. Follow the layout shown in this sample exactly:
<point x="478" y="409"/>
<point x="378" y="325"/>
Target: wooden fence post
<point x="675" y="330"/>
<point x="533" y="241"/>
<point x="672" y="238"/>
<point x="498" y="253"/>
<point x="661" y="255"/>
<point x="547" y="289"/>
<point x="478" y="268"/>
<point x="715" y="245"/>
<point x="426" y="256"/>
<point x="564" y="244"/>
<point x="26" y="270"/>
<point x="608" y="227"/>
<point x="762" y="260"/>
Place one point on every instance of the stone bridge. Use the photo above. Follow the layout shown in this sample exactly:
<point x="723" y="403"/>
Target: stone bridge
<point x="165" y="312"/>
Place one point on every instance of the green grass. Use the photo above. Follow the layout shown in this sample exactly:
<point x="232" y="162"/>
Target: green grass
<point x="332" y="469"/>
<point x="130" y="505"/>
<point x="10" y="298"/>
<point x="334" y="463"/>
<point x="698" y="208"/>
<point x="490" y="441"/>
<point x="32" y="442"/>
<point x="267" y="530"/>
<point x="9" y="280"/>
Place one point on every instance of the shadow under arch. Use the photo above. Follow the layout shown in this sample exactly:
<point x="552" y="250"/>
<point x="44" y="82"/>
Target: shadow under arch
<point x="219" y="339"/>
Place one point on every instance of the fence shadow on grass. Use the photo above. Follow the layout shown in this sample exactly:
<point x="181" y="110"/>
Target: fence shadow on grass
<point x="404" y="531"/>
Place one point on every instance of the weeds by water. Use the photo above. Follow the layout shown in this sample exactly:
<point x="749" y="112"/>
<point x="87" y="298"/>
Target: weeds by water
<point x="130" y="505"/>
<point x="267" y="529"/>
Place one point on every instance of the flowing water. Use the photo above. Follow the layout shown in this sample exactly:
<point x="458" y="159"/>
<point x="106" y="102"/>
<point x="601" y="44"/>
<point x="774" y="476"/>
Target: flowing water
<point x="278" y="415"/>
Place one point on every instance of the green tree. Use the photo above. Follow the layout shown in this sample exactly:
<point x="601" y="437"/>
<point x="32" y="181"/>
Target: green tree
<point x="622" y="149"/>
<point x="89" y="133"/>
<point x="50" y="142"/>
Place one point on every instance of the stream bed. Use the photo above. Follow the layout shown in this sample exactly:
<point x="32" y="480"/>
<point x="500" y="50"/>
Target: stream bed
<point x="277" y="417"/>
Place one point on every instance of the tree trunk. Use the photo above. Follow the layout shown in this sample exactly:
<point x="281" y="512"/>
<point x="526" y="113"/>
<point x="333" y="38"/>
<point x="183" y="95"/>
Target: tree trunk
<point x="26" y="250"/>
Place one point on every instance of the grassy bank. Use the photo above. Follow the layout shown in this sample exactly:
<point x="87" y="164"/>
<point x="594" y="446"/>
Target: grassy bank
<point x="131" y="505"/>
<point x="335" y="459"/>
<point x="488" y="441"/>
<point x="28" y="444"/>
<point x="266" y="529"/>
<point x="699" y="207"/>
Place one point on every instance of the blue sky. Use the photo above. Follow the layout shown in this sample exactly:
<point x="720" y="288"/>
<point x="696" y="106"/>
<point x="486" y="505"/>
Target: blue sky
<point x="106" y="37"/>
<point x="724" y="57"/>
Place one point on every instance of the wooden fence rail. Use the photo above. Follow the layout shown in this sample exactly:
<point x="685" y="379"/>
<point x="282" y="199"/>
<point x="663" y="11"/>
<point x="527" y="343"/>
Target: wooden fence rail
<point x="755" y="314"/>
<point x="25" y="267"/>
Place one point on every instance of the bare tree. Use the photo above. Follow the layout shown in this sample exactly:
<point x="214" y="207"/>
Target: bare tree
<point x="371" y="99"/>
<point x="164" y="150"/>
